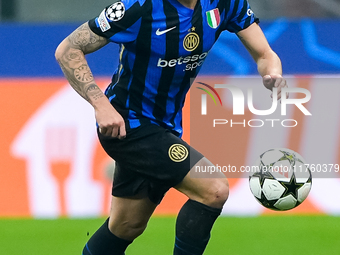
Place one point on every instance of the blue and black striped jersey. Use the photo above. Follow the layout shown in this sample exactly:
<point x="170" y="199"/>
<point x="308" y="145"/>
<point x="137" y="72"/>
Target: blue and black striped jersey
<point x="163" y="46"/>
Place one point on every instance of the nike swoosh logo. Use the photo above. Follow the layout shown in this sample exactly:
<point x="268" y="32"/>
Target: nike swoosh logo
<point x="158" y="32"/>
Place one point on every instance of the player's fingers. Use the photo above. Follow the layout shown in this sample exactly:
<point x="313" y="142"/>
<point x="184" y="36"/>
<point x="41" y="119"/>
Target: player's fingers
<point x="114" y="132"/>
<point x="267" y="81"/>
<point x="287" y="94"/>
<point x="109" y="131"/>
<point x="282" y="83"/>
<point x="267" y="78"/>
<point x="283" y="87"/>
<point x="102" y="130"/>
<point x="122" y="131"/>
<point x="279" y="81"/>
<point x="279" y="94"/>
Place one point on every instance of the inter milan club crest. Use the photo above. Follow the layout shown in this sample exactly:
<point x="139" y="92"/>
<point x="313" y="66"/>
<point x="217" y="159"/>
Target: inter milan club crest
<point x="178" y="152"/>
<point x="213" y="18"/>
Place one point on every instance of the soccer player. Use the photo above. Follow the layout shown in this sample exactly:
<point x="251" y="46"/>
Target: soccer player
<point x="163" y="44"/>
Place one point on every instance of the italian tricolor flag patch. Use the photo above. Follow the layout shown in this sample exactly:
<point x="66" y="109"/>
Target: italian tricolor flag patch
<point x="213" y="18"/>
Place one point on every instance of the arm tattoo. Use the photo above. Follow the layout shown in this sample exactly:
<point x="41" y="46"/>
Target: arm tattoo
<point x="86" y="40"/>
<point x="74" y="64"/>
<point x="94" y="92"/>
<point x="83" y="74"/>
<point x="74" y="56"/>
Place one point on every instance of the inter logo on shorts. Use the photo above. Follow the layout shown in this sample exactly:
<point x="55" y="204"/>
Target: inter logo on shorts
<point x="191" y="41"/>
<point x="178" y="152"/>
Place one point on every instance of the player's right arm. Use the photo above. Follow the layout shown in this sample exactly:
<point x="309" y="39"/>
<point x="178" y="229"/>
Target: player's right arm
<point x="70" y="55"/>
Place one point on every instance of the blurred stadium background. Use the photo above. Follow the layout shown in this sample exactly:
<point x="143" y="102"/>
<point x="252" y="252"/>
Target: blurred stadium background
<point x="54" y="177"/>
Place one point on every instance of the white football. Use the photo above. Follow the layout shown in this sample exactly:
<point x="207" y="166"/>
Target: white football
<point x="281" y="180"/>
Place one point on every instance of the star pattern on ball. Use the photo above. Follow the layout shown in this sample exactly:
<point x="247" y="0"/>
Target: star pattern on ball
<point x="267" y="203"/>
<point x="263" y="174"/>
<point x="291" y="187"/>
<point x="288" y="156"/>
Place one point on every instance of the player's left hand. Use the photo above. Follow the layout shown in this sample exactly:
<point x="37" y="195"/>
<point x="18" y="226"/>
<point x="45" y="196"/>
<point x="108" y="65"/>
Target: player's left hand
<point x="275" y="81"/>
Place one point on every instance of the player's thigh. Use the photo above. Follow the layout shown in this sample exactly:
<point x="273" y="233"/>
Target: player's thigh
<point x="212" y="191"/>
<point x="129" y="216"/>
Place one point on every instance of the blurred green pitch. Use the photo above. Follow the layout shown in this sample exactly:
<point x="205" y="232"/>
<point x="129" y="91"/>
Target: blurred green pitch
<point x="231" y="235"/>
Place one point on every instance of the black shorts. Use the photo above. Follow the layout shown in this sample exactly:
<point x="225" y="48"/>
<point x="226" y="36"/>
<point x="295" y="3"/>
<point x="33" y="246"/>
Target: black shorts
<point x="149" y="161"/>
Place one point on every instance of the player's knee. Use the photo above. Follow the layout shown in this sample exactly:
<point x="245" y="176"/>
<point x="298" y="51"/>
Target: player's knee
<point x="217" y="195"/>
<point x="128" y="229"/>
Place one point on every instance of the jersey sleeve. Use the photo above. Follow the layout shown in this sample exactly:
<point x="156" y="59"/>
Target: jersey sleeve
<point x="119" y="22"/>
<point x="240" y="16"/>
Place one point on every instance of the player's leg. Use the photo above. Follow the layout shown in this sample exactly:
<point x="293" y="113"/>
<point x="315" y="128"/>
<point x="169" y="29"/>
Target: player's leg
<point x="197" y="216"/>
<point x="129" y="216"/>
<point x="128" y="219"/>
<point x="212" y="191"/>
<point x="131" y="207"/>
